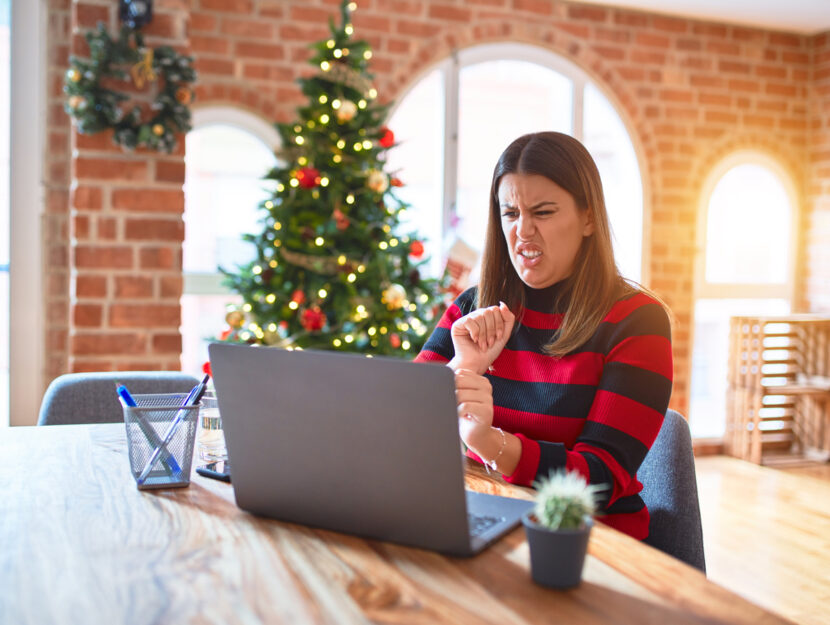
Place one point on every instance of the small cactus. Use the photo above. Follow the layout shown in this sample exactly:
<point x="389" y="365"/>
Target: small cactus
<point x="564" y="499"/>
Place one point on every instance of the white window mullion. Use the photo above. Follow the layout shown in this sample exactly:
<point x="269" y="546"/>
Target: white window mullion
<point x="199" y="283"/>
<point x="28" y="110"/>
<point x="578" y="108"/>
<point x="450" y="190"/>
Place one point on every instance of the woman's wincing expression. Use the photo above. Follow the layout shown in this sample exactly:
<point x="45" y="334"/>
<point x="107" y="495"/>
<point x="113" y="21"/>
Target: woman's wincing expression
<point x="543" y="228"/>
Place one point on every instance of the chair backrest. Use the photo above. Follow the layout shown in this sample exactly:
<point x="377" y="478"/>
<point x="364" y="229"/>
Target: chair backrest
<point x="91" y="397"/>
<point x="670" y="493"/>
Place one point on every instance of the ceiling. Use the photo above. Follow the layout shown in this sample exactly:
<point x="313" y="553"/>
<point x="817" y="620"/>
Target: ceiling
<point x="798" y="16"/>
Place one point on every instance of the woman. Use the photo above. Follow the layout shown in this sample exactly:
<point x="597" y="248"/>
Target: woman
<point x="559" y="362"/>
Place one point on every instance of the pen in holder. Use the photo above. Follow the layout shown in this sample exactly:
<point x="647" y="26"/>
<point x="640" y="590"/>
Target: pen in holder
<point x="163" y="459"/>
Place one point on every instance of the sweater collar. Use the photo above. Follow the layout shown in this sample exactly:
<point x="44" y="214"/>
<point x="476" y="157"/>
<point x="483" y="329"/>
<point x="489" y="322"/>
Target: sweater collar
<point x="545" y="300"/>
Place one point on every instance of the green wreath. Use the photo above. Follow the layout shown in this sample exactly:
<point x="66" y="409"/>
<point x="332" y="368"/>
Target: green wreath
<point x="96" y="106"/>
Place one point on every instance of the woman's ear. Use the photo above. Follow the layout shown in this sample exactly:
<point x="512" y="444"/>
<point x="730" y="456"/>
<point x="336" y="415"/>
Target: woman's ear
<point x="588" y="228"/>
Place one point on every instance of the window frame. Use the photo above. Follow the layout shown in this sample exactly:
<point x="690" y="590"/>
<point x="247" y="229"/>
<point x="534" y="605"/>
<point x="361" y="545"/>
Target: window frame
<point x="210" y="283"/>
<point x="744" y="290"/>
<point x="450" y="69"/>
<point x="28" y="108"/>
<point x="703" y="290"/>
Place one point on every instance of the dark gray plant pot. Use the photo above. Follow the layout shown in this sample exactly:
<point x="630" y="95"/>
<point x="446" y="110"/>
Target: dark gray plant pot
<point x="556" y="556"/>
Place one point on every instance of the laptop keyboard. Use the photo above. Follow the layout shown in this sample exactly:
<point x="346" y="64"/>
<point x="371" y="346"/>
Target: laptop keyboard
<point x="480" y="523"/>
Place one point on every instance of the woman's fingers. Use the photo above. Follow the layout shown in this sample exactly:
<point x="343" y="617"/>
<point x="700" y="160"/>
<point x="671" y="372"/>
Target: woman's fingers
<point x="470" y="380"/>
<point x="474" y="396"/>
<point x="469" y="324"/>
<point x="479" y="336"/>
<point x="488" y="326"/>
<point x="481" y="328"/>
<point x="494" y="323"/>
<point x="471" y="396"/>
<point x="507" y="317"/>
<point x="478" y="406"/>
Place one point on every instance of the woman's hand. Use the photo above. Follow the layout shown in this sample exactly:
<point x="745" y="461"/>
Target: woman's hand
<point x="474" y="397"/>
<point x="479" y="337"/>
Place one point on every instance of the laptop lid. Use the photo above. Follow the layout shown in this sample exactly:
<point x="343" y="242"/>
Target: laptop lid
<point x="365" y="446"/>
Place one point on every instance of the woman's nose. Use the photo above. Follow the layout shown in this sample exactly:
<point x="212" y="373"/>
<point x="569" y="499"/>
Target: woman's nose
<point x="524" y="226"/>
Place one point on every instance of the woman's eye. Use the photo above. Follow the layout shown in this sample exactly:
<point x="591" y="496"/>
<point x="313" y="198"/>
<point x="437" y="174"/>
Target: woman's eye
<point x="510" y="214"/>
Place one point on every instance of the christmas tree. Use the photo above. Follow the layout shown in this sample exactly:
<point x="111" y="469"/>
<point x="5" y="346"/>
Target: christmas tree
<point x="332" y="270"/>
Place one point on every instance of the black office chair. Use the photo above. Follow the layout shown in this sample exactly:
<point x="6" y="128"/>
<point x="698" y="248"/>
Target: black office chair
<point x="670" y="492"/>
<point x="91" y="397"/>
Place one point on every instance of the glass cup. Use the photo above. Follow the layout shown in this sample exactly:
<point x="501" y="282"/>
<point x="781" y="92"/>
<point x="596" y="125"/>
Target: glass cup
<point x="211" y="438"/>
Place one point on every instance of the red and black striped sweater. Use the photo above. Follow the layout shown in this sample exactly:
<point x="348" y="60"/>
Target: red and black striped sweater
<point x="596" y="410"/>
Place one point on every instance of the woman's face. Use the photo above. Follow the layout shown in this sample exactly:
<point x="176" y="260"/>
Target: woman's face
<point x="542" y="226"/>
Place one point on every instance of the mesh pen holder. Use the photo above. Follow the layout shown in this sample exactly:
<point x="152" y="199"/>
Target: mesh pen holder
<point x="147" y="425"/>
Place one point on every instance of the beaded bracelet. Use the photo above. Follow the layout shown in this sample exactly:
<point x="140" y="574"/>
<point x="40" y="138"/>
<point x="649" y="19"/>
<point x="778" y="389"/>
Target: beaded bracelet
<point x="492" y="463"/>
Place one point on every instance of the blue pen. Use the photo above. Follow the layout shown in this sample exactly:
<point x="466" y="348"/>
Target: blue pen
<point x="192" y="399"/>
<point x="167" y="458"/>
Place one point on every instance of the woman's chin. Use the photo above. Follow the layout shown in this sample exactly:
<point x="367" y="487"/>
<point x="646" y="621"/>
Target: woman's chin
<point x="537" y="282"/>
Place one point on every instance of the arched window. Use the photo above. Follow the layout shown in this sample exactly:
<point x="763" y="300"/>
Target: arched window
<point x="745" y="266"/>
<point x="455" y="121"/>
<point x="226" y="155"/>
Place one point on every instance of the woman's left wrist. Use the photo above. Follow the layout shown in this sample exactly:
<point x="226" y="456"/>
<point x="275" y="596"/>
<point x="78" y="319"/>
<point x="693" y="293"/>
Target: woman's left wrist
<point x="488" y="443"/>
<point x="492" y="460"/>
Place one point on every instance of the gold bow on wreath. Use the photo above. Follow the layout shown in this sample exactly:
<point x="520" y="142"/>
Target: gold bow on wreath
<point x="143" y="70"/>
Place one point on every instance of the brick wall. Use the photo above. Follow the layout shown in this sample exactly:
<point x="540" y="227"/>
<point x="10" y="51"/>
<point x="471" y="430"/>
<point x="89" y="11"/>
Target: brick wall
<point x="125" y="230"/>
<point x="692" y="91"/>
<point x="817" y="222"/>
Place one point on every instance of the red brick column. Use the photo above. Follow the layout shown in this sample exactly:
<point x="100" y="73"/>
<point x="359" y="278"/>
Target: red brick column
<point x="126" y="229"/>
<point x="817" y="222"/>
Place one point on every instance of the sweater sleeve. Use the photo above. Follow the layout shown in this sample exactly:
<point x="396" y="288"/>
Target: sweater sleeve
<point x="627" y="410"/>
<point x="438" y="347"/>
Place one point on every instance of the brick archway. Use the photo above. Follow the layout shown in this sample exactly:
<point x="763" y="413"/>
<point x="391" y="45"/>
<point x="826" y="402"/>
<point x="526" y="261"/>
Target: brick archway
<point x="550" y="37"/>
<point x="786" y="157"/>
<point x="559" y="40"/>
<point x="247" y="99"/>
<point x="721" y="148"/>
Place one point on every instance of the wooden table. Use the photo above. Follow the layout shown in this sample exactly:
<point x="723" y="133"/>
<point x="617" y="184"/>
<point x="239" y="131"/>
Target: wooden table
<point x="80" y="544"/>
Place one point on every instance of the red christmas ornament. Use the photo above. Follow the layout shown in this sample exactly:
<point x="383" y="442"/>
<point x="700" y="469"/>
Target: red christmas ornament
<point x="283" y="325"/>
<point x="341" y="219"/>
<point x="387" y="140"/>
<point x="313" y="319"/>
<point x="308" y="177"/>
<point x="298" y="296"/>
<point x="416" y="249"/>
<point x="395" y="341"/>
<point x="396" y="182"/>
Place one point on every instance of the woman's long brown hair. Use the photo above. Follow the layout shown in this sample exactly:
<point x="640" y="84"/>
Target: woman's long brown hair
<point x="595" y="283"/>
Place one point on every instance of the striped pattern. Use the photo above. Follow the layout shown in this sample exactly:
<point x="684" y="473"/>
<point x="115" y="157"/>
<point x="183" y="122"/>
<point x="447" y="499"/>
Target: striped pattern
<point x="596" y="410"/>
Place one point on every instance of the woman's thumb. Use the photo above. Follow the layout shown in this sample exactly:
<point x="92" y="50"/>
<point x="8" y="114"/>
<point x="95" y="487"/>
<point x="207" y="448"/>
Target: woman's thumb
<point x="507" y="315"/>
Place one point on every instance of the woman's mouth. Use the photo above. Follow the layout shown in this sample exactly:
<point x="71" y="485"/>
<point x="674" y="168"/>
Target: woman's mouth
<point x="528" y="258"/>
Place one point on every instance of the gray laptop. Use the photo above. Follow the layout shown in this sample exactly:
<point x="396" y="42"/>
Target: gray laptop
<point x="365" y="446"/>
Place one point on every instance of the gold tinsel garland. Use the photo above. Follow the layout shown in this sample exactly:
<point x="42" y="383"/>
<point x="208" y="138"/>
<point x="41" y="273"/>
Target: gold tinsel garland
<point x="321" y="264"/>
<point x="344" y="74"/>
